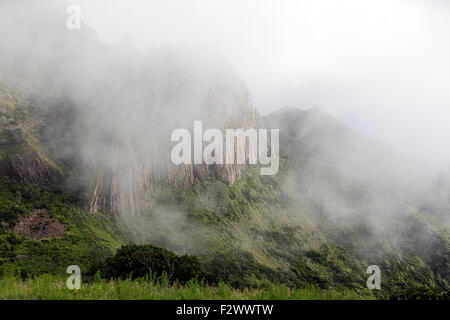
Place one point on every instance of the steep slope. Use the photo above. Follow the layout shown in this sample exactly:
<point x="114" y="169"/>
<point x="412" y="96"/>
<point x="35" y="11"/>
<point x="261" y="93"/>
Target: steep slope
<point x="315" y="134"/>
<point x="85" y="139"/>
<point x="120" y="104"/>
<point x="22" y="153"/>
<point x="357" y="194"/>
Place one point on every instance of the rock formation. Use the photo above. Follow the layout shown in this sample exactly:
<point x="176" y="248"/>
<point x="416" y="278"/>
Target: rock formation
<point x="119" y="106"/>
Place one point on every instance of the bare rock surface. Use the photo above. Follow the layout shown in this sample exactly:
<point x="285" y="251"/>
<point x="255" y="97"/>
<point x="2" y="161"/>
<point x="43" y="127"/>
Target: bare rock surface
<point x="39" y="225"/>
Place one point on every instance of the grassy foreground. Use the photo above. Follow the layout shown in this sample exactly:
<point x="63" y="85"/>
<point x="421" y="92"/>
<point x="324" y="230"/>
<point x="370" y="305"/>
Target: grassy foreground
<point x="47" y="287"/>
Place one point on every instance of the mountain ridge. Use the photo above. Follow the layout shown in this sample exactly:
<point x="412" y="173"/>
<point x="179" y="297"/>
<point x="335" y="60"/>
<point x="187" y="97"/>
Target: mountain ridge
<point x="85" y="139"/>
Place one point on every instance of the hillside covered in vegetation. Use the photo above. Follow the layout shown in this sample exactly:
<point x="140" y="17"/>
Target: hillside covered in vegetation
<point x="86" y="179"/>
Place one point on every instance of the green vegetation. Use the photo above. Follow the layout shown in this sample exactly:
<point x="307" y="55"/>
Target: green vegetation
<point x="88" y="239"/>
<point x="308" y="232"/>
<point x="137" y="261"/>
<point x="247" y="236"/>
<point x="53" y="287"/>
<point x="272" y="229"/>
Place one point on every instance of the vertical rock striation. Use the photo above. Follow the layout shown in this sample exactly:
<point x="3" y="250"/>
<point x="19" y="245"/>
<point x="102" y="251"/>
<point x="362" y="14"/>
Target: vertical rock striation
<point x="127" y="103"/>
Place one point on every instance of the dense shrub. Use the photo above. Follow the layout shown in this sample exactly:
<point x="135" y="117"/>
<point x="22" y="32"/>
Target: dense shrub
<point x="136" y="261"/>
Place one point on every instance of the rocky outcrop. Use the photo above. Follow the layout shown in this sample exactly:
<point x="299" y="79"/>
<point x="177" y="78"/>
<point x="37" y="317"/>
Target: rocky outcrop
<point x="128" y="102"/>
<point x="30" y="170"/>
<point x="170" y="88"/>
<point x="39" y="225"/>
<point x="136" y="167"/>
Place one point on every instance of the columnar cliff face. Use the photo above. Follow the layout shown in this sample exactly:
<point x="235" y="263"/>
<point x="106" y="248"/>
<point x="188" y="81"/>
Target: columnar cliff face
<point x="112" y="110"/>
<point x="139" y="151"/>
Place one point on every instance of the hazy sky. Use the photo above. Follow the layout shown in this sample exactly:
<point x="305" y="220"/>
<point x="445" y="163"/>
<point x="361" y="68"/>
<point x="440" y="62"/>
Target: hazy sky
<point x="382" y="66"/>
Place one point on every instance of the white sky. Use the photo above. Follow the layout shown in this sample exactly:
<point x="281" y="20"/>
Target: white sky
<point x="383" y="66"/>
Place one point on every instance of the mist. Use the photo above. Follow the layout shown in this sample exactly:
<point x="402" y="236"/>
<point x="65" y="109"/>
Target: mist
<point x="375" y="150"/>
<point x="381" y="67"/>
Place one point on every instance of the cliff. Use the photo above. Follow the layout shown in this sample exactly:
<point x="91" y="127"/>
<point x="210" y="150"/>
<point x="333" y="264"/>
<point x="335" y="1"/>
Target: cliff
<point x="111" y="109"/>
